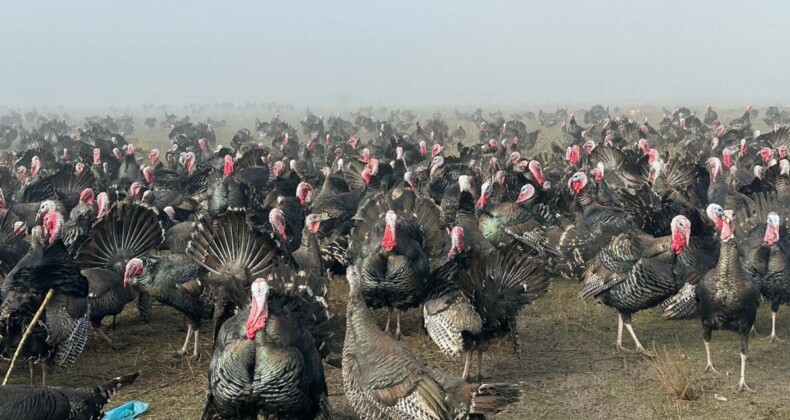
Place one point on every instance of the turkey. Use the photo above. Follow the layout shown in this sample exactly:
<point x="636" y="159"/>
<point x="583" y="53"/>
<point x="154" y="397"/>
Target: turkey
<point x="466" y="311"/>
<point x="129" y="170"/>
<point x="227" y="191"/>
<point x="710" y="116"/>
<point x="63" y="329"/>
<point x="766" y="249"/>
<point x="594" y="225"/>
<point x="384" y="378"/>
<point x="81" y="218"/>
<point x="234" y="255"/>
<point x="33" y="402"/>
<point x="176" y="233"/>
<point x="127" y="231"/>
<point x="636" y="272"/>
<point x="744" y="120"/>
<point x="727" y="297"/>
<point x="175" y="280"/>
<point x="393" y="244"/>
<point x="266" y="356"/>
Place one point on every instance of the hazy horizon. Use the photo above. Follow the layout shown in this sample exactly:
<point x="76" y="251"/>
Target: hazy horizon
<point x="418" y="54"/>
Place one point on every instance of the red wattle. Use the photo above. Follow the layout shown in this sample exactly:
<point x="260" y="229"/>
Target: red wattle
<point x="257" y="319"/>
<point x="389" y="242"/>
<point x="771" y="235"/>
<point x="678" y="244"/>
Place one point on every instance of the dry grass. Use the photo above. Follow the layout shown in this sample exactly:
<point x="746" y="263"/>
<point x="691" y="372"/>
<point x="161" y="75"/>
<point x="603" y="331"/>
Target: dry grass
<point x="672" y="371"/>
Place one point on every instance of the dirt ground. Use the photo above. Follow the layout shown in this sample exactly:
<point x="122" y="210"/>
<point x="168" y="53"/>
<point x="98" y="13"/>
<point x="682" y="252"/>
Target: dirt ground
<point x="568" y="367"/>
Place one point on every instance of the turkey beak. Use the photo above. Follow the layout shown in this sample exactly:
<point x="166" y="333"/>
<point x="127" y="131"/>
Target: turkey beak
<point x="128" y="277"/>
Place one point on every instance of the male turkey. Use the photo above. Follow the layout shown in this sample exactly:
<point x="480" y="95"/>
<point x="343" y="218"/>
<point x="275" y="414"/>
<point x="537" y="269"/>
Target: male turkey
<point x="34" y="402"/>
<point x="465" y="312"/>
<point x="636" y="272"/>
<point x="384" y="379"/>
<point x="394" y="242"/>
<point x="266" y="356"/>
<point x="127" y="231"/>
<point x="766" y="256"/>
<point x="234" y="254"/>
<point x="175" y="280"/>
<point x="63" y="329"/>
<point x="727" y="297"/>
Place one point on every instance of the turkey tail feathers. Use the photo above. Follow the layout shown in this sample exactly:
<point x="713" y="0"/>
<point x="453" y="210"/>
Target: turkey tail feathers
<point x="229" y="241"/>
<point x="127" y="231"/>
<point x="478" y="400"/>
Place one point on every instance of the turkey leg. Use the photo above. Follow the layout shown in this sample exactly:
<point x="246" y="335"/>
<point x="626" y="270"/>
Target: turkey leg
<point x="30" y="366"/>
<point x="184" y="348"/>
<point x="389" y="317"/>
<point x="397" y="328"/>
<point x="619" y="343"/>
<point x="744" y="355"/>
<point x="465" y="376"/>
<point x="196" y="350"/>
<point x="706" y="337"/>
<point x="103" y="335"/>
<point x="639" y="348"/>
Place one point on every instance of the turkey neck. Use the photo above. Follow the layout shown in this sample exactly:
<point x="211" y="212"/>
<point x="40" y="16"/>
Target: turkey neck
<point x="656" y="246"/>
<point x="584" y="198"/>
<point x="359" y="323"/>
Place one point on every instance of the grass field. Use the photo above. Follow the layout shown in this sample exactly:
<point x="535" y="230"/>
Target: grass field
<point x="568" y="367"/>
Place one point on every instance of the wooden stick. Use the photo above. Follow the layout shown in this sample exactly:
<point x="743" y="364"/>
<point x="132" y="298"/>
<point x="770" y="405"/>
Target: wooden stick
<point x="29" y="329"/>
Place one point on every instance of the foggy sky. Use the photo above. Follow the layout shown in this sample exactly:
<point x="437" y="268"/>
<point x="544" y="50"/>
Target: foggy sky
<point x="412" y="53"/>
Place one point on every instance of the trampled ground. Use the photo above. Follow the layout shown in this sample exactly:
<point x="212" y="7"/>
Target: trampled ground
<point x="568" y="367"/>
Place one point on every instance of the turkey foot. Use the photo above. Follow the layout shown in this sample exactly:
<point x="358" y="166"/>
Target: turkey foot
<point x="107" y="339"/>
<point x="712" y="369"/>
<point x="742" y="387"/>
<point x="185" y="348"/>
<point x="709" y="365"/>
<point x="773" y="338"/>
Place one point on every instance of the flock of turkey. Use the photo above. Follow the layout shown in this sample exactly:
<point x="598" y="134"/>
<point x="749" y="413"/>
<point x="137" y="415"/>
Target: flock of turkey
<point x="470" y="228"/>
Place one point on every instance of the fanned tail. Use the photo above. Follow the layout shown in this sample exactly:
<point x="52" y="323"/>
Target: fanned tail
<point x="229" y="242"/>
<point x="128" y="231"/>
<point x="306" y="295"/>
<point x="67" y="186"/>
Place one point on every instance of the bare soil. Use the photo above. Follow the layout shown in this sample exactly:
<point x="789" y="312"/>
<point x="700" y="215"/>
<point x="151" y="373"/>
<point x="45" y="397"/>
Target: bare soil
<point x="568" y="367"/>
